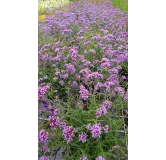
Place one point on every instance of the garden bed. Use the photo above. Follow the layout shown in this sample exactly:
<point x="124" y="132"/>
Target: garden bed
<point x="83" y="82"/>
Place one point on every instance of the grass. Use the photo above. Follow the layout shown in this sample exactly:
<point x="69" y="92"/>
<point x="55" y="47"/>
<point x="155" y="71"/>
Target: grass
<point x="45" y="6"/>
<point x="122" y="4"/>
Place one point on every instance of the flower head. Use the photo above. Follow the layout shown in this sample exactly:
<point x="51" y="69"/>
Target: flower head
<point x="68" y="133"/>
<point x="84" y="158"/>
<point x="43" y="136"/>
<point x="84" y="92"/>
<point x="105" y="128"/>
<point x="96" y="130"/>
<point x="100" y="158"/>
<point x="54" y="121"/>
<point x="82" y="137"/>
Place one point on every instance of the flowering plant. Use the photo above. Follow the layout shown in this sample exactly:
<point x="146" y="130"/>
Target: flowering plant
<point x="83" y="83"/>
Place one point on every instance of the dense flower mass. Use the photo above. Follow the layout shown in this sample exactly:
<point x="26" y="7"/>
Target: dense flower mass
<point x="83" y="79"/>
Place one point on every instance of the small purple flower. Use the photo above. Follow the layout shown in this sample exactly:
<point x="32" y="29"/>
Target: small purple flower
<point x="68" y="133"/>
<point x="74" y="84"/>
<point x="43" y="158"/>
<point x="105" y="128"/>
<point x="119" y="90"/>
<point x="45" y="77"/>
<point x="96" y="130"/>
<point x="70" y="68"/>
<point x="107" y="104"/>
<point x="84" y="158"/>
<point x="45" y="147"/>
<point x="100" y="158"/>
<point x="56" y="111"/>
<point x="61" y="83"/>
<point x="83" y="137"/>
<point x="92" y="51"/>
<point x="100" y="111"/>
<point x="98" y="85"/>
<point x="54" y="121"/>
<point x="42" y="91"/>
<point x="89" y="127"/>
<point x="43" y="136"/>
<point x="84" y="92"/>
<point x="66" y="75"/>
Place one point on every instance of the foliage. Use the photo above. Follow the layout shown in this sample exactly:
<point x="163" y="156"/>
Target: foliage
<point x="49" y="6"/>
<point x="83" y="82"/>
<point x="122" y="4"/>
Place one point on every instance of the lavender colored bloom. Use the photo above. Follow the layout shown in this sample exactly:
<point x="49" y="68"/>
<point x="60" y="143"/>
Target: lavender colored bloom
<point x="61" y="83"/>
<point x="98" y="85"/>
<point x="45" y="147"/>
<point x="119" y="90"/>
<point x="82" y="137"/>
<point x="42" y="91"/>
<point x="99" y="158"/>
<point x="56" y="111"/>
<point x="84" y="92"/>
<point x="89" y="127"/>
<point x="107" y="104"/>
<point x="100" y="111"/>
<point x="74" y="84"/>
<point x="92" y="51"/>
<point x="64" y="76"/>
<point x="70" y="68"/>
<point x="43" y="136"/>
<point x="54" y="121"/>
<point x="45" y="77"/>
<point x="96" y="130"/>
<point x="68" y="133"/>
<point x="43" y="158"/>
<point x="105" y="128"/>
<point x="84" y="158"/>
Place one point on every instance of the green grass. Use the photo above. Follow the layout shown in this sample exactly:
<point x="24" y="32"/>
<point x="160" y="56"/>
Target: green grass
<point x="45" y="6"/>
<point x="122" y="4"/>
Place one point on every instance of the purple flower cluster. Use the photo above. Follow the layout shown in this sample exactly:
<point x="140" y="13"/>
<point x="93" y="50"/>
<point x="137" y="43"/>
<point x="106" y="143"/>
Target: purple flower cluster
<point x="84" y="92"/>
<point x="54" y="121"/>
<point x="43" y="136"/>
<point x="100" y="158"/>
<point x="103" y="108"/>
<point x="70" y="68"/>
<point x="84" y="158"/>
<point x="68" y="133"/>
<point x="83" y="137"/>
<point x="95" y="130"/>
<point x="43" y="158"/>
<point x="106" y="128"/>
<point x="42" y="91"/>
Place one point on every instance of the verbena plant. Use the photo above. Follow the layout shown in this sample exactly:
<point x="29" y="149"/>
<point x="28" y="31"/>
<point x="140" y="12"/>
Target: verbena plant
<point x="83" y="83"/>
